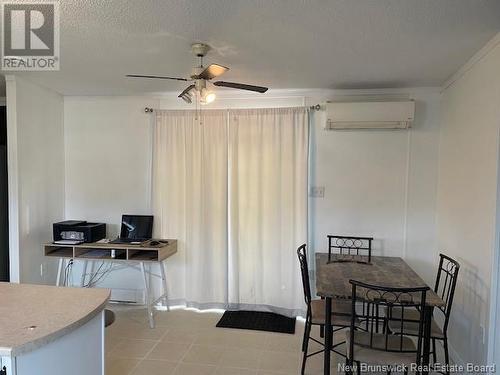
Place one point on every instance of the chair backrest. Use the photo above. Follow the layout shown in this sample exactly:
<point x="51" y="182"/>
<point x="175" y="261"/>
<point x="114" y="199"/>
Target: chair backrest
<point x="446" y="282"/>
<point x="349" y="245"/>
<point x="304" y="271"/>
<point x="376" y="297"/>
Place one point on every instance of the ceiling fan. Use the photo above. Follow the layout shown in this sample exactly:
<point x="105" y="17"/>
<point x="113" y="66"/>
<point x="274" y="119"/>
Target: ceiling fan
<point x="200" y="75"/>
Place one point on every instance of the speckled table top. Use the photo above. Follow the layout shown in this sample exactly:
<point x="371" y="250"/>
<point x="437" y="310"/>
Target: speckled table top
<point x="332" y="279"/>
<point x="34" y="315"/>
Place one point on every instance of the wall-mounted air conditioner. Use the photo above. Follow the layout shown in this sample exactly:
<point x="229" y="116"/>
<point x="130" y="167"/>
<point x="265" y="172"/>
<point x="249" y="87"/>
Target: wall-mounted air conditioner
<point x="370" y="115"/>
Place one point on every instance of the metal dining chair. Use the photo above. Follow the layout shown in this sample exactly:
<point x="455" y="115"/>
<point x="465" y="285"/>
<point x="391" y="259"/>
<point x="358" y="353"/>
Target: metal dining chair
<point x="445" y="285"/>
<point x="315" y="315"/>
<point x="370" y="347"/>
<point x="345" y="246"/>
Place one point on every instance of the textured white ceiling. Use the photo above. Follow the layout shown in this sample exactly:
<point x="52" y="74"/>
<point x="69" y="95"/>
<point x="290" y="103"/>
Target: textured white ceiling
<point x="279" y="43"/>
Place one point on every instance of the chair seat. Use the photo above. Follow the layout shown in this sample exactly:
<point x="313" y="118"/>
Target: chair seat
<point x="341" y="312"/>
<point x="410" y="324"/>
<point x="377" y="354"/>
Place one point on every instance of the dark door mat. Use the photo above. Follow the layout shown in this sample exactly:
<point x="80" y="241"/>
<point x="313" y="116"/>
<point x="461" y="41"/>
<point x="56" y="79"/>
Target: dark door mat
<point x="257" y="321"/>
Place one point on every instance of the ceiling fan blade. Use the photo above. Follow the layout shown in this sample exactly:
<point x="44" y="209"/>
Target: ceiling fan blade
<point x="212" y="71"/>
<point x="157" y="77"/>
<point x="184" y="95"/>
<point x="241" y="86"/>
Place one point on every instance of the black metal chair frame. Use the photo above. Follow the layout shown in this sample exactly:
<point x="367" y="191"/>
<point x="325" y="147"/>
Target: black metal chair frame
<point x="302" y="255"/>
<point x="349" y="244"/>
<point x="374" y="297"/>
<point x="448" y="269"/>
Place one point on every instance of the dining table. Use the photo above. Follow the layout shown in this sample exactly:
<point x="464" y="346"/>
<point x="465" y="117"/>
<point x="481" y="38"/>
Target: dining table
<point x="332" y="282"/>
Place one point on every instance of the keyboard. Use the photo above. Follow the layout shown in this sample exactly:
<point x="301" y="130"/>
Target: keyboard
<point x="128" y="240"/>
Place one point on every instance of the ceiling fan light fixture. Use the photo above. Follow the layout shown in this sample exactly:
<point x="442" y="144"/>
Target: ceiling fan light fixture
<point x="210" y="97"/>
<point x="186" y="98"/>
<point x="207" y="96"/>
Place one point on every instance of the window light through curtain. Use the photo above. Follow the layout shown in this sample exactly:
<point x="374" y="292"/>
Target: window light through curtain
<point x="231" y="186"/>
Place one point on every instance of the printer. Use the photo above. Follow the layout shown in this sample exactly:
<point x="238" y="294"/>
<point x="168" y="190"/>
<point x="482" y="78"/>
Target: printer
<point x="78" y="230"/>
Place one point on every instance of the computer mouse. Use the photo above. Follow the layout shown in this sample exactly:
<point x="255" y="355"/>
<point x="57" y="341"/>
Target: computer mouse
<point x="154" y="243"/>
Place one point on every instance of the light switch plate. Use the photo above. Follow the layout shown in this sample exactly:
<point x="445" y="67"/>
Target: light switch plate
<point x="317" y="192"/>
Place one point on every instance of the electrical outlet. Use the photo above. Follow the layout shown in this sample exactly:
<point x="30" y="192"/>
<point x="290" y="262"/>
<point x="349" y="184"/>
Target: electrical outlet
<point x="317" y="192"/>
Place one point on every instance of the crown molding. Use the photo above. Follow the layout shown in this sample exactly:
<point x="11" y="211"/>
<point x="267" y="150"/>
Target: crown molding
<point x="476" y="58"/>
<point x="293" y="93"/>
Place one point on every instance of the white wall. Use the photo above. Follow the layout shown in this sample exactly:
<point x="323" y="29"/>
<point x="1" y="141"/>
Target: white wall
<point x="379" y="183"/>
<point x="467" y="196"/>
<point x="108" y="156"/>
<point x="36" y="175"/>
<point x="108" y="159"/>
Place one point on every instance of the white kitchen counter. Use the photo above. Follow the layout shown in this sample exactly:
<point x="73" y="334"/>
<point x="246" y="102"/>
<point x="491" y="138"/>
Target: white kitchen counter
<point x="35" y="318"/>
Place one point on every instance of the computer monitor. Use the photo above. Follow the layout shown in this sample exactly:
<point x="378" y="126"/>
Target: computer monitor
<point x="137" y="227"/>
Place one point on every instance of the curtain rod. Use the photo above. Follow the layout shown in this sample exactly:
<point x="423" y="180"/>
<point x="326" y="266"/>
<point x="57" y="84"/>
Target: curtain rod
<point x="316" y="107"/>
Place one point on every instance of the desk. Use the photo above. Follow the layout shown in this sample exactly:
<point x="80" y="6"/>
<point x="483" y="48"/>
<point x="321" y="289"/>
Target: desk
<point x="132" y="255"/>
<point x="332" y="281"/>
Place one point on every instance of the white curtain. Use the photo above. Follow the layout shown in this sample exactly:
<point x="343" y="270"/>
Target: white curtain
<point x="233" y="191"/>
<point x="268" y="151"/>
<point x="190" y="203"/>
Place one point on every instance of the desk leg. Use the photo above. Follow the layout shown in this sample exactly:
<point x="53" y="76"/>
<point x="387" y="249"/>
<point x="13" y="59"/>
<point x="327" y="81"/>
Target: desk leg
<point x="59" y="271"/>
<point x="427" y="338"/>
<point x="164" y="283"/>
<point x="84" y="273"/>
<point x="147" y="296"/>
<point x="328" y="335"/>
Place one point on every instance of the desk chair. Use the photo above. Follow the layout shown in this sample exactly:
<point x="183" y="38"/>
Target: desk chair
<point x="446" y="282"/>
<point x="383" y="349"/>
<point x="349" y="245"/>
<point x="315" y="315"/>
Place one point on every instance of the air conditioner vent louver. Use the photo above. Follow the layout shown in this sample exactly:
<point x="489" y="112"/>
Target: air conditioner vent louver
<point x="370" y="115"/>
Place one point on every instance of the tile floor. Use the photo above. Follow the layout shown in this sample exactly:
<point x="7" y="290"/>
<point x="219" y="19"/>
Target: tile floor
<point x="186" y="342"/>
